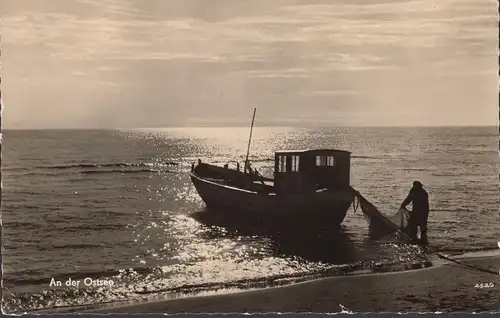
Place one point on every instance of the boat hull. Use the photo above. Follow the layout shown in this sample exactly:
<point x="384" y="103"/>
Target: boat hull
<point x="328" y="206"/>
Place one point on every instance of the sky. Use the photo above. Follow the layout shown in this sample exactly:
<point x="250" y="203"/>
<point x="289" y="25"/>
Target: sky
<point x="161" y="63"/>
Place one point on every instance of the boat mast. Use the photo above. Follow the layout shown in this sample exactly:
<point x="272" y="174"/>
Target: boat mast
<point x="250" y="140"/>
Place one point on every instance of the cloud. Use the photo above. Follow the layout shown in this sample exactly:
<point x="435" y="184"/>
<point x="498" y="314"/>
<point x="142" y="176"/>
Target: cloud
<point x="118" y="8"/>
<point x="329" y="93"/>
<point x="326" y="28"/>
<point x="111" y="58"/>
<point x="284" y="73"/>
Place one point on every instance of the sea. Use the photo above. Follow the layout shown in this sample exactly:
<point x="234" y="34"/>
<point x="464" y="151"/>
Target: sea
<point x="115" y="212"/>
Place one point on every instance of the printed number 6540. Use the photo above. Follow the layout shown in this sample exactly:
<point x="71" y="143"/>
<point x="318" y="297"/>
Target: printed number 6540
<point x="484" y="285"/>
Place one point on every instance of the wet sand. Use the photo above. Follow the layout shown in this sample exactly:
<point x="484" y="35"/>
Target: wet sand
<point x="444" y="287"/>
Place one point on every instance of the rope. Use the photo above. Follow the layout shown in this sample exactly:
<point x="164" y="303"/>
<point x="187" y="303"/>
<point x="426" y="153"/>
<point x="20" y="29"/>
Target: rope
<point x="485" y="270"/>
<point x="428" y="249"/>
<point x="425" y="248"/>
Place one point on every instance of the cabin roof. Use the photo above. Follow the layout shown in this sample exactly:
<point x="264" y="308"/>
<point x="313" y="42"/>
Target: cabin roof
<point x="301" y="151"/>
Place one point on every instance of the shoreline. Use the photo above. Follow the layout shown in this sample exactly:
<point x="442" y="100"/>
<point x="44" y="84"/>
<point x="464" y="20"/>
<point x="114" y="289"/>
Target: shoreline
<point x="229" y="290"/>
<point x="444" y="286"/>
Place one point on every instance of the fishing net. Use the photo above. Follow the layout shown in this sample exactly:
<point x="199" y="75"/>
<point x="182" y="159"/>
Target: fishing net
<point x="380" y="224"/>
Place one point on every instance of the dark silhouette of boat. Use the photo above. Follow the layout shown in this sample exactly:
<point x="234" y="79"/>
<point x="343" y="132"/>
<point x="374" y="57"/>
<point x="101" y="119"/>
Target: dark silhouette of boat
<point x="307" y="185"/>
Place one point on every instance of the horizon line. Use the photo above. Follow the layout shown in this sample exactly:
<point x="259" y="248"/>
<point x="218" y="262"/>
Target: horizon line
<point x="246" y="126"/>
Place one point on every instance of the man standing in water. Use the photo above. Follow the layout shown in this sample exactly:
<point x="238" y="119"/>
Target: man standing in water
<point x="420" y="212"/>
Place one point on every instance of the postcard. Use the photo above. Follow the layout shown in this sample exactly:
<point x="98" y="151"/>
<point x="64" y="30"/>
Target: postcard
<point x="309" y="156"/>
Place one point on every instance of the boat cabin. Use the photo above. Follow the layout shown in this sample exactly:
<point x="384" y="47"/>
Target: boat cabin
<point x="302" y="171"/>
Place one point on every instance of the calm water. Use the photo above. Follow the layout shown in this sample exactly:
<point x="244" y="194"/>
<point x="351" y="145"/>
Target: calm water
<point x="119" y="205"/>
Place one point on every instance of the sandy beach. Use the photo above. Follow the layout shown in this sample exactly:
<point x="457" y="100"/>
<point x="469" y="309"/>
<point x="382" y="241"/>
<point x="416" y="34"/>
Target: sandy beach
<point x="444" y="287"/>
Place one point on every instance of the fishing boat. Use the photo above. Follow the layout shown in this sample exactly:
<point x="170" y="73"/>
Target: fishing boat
<point x="309" y="184"/>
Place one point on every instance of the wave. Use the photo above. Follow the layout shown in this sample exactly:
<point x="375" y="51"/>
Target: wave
<point x="145" y="170"/>
<point x="123" y="171"/>
<point x="107" y="273"/>
<point x="21" y="224"/>
<point x="42" y="174"/>
<point x="232" y="161"/>
<point x="108" y="165"/>
<point x="133" y="287"/>
<point x="259" y="282"/>
<point x="14" y="277"/>
<point x="466" y="249"/>
<point x="49" y="227"/>
<point x="71" y="246"/>
<point x="366" y="157"/>
<point x="15" y="168"/>
<point x="100" y="227"/>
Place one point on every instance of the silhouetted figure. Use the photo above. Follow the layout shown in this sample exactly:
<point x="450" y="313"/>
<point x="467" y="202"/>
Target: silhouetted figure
<point x="238" y="166"/>
<point x="420" y="211"/>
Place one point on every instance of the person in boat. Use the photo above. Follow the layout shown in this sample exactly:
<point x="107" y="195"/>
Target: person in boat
<point x="420" y="211"/>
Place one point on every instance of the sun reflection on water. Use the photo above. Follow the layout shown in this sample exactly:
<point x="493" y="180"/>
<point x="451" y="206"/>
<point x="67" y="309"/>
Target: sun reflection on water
<point x="161" y="244"/>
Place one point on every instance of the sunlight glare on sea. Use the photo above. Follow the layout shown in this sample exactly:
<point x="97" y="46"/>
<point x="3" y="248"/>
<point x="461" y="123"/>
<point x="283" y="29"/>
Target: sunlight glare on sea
<point x="121" y="206"/>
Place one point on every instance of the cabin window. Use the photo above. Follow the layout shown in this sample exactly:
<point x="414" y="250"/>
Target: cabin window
<point x="295" y="163"/>
<point x="320" y="161"/>
<point x="330" y="161"/>
<point x="282" y="164"/>
<point x="325" y="161"/>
